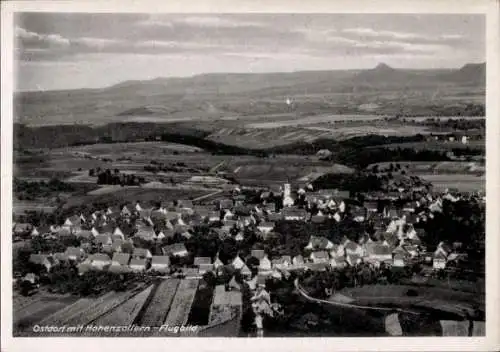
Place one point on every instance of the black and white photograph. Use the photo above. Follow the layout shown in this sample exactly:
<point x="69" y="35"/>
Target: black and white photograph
<point x="246" y="174"/>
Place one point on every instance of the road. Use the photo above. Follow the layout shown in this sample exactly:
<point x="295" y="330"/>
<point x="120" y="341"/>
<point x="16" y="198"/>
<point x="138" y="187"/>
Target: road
<point x="347" y="305"/>
<point x="208" y="195"/>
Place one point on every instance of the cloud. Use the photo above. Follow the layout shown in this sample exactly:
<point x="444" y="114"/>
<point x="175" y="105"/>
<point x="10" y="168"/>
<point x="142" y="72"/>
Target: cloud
<point x="369" y="32"/>
<point x="35" y="39"/>
<point x="201" y="21"/>
<point x="97" y="43"/>
<point x="363" y="32"/>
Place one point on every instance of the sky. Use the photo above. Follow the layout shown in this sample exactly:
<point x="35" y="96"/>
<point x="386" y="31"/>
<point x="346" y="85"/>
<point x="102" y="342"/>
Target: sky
<point x="81" y="50"/>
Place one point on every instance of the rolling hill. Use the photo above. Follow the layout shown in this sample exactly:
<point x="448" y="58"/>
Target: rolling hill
<point x="212" y="96"/>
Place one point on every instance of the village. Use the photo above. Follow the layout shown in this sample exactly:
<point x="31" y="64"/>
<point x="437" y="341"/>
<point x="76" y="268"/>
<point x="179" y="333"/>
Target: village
<point x="235" y="241"/>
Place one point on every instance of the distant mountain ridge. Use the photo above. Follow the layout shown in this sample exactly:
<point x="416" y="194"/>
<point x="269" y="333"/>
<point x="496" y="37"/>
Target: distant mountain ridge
<point x="215" y="95"/>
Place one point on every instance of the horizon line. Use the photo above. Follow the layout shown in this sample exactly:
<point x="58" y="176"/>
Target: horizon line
<point x="483" y="62"/>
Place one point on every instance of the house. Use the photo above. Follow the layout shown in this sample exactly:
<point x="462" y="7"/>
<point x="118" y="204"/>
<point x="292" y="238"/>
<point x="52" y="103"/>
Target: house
<point x="118" y="232"/>
<point x="176" y="250"/>
<point x="203" y="268"/>
<point x="439" y="261"/>
<point x="318" y="219"/>
<point x="371" y="207"/>
<point x="40" y="230"/>
<point x="337" y="217"/>
<point x="273" y="217"/>
<point x="378" y="252"/>
<point x="75" y="253"/>
<point x="352" y="248"/>
<point x="60" y="257"/>
<point x="316" y="266"/>
<point x="298" y="261"/>
<point x="265" y="264"/>
<point x="98" y="260"/>
<point x="85" y="234"/>
<point x="444" y="249"/>
<point x="31" y="278"/>
<point x="103" y="239"/>
<point x="237" y="263"/>
<point x="336" y="262"/>
<point x="120" y="259"/>
<point x="319" y="257"/>
<point x="399" y="260"/>
<point x="245" y="271"/>
<point x="265" y="227"/>
<point x="146" y="233"/>
<point x="258" y="253"/>
<point x="160" y="263"/>
<point x="319" y="243"/>
<point x="142" y="253"/>
<point x="127" y="210"/>
<point x="94" y="231"/>
<point x="353" y="259"/>
<point x="73" y="222"/>
<point x="358" y="214"/>
<point x="294" y="214"/>
<point x="217" y="263"/>
<point x="185" y="204"/>
<point x="117" y="246"/>
<point x="113" y="210"/>
<point x="225" y="204"/>
<point x="337" y="251"/>
<point x="202" y="260"/>
<point x="138" y="264"/>
<point x="214" y="216"/>
<point x="44" y="260"/>
<point x="84" y="267"/>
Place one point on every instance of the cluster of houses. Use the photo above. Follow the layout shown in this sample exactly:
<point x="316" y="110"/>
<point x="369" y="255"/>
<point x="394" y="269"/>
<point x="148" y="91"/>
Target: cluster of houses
<point x="107" y="236"/>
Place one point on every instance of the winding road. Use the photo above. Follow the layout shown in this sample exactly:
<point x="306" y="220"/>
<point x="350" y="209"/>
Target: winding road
<point x="346" y="305"/>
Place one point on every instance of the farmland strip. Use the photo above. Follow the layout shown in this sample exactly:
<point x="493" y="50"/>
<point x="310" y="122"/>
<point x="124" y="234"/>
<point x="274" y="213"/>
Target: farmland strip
<point x="159" y="306"/>
<point x="125" y="313"/>
<point x="61" y="316"/>
<point x="181" y="305"/>
<point x="101" y="306"/>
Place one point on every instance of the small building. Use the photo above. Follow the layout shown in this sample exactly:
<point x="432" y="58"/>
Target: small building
<point x="439" y="261"/>
<point x="141" y="253"/>
<point x="138" y="264"/>
<point x="175" y="250"/>
<point x="99" y="260"/>
<point x="237" y="263"/>
<point x="160" y="263"/>
<point x="298" y="261"/>
<point x="44" y="260"/>
<point x="353" y="259"/>
<point x="319" y="257"/>
<point x="265" y="264"/>
<point x="202" y="260"/>
<point x="205" y="267"/>
<point x="265" y="227"/>
<point x="319" y="243"/>
<point x="120" y="259"/>
<point x="75" y="253"/>
<point x="399" y="260"/>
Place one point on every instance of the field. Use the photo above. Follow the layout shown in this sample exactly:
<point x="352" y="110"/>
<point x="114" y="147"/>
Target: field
<point x="437" y="145"/>
<point x="434" y="167"/>
<point x="181" y="305"/>
<point x="135" y="194"/>
<point x="126" y="313"/>
<point x="159" y="306"/>
<point x="28" y="311"/>
<point x="434" y="298"/>
<point x="463" y="182"/>
<point x="307" y="129"/>
<point x="114" y="150"/>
